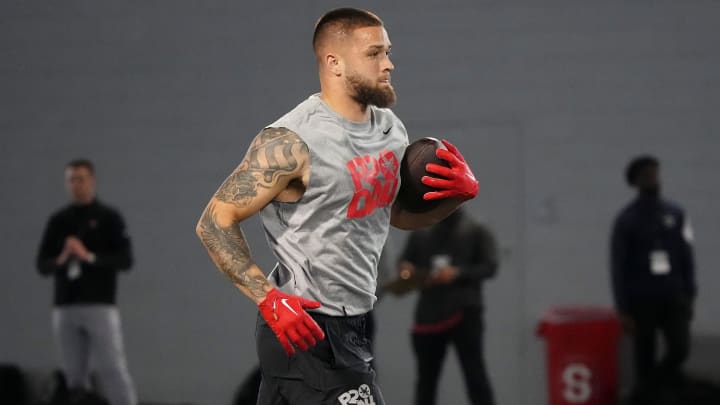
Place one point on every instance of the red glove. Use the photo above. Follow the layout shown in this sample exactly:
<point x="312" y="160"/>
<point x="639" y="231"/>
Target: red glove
<point x="286" y="316"/>
<point x="458" y="179"/>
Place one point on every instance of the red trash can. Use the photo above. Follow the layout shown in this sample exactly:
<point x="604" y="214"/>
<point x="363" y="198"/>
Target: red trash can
<point x="582" y="355"/>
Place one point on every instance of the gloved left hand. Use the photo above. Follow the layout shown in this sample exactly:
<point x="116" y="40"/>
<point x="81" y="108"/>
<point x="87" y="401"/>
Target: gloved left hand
<point x="458" y="180"/>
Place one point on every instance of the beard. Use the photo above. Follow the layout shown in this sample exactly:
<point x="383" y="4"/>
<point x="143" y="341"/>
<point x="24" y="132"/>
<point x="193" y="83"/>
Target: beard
<point x="364" y="92"/>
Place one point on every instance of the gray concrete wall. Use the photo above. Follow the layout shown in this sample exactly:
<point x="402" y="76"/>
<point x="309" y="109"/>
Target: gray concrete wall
<point x="548" y="100"/>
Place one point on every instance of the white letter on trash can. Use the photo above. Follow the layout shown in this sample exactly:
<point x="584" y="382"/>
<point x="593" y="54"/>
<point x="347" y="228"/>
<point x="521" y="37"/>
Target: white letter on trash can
<point x="577" y="383"/>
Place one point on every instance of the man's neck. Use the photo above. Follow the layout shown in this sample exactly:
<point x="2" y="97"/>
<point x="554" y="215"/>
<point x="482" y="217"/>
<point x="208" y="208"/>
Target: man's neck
<point x="649" y="197"/>
<point x="83" y="202"/>
<point x="346" y="107"/>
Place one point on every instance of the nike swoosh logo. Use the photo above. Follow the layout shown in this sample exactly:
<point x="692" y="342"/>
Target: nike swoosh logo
<point x="284" y="302"/>
<point x="387" y="131"/>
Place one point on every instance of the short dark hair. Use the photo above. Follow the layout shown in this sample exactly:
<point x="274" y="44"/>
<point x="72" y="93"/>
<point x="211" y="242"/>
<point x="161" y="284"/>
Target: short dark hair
<point x="637" y="165"/>
<point x="77" y="163"/>
<point x="343" y="21"/>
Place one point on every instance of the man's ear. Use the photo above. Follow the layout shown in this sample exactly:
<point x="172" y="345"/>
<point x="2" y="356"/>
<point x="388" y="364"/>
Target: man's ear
<point x="334" y="64"/>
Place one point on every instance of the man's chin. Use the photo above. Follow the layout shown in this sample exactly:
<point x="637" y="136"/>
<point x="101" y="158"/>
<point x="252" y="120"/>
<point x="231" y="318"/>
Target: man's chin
<point x="381" y="96"/>
<point x="388" y="99"/>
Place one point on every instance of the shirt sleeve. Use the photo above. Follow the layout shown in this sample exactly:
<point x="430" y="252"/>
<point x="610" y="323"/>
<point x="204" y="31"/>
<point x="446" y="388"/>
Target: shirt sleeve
<point x="485" y="261"/>
<point x="50" y="247"/>
<point x="118" y="253"/>
<point x="618" y="263"/>
<point x="688" y="257"/>
<point x="410" y="252"/>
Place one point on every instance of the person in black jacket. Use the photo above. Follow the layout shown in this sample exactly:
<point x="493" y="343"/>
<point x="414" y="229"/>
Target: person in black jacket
<point x="653" y="278"/>
<point x="83" y="247"/>
<point x="451" y="260"/>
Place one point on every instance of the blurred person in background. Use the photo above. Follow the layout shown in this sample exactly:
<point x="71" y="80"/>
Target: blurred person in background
<point x="449" y="263"/>
<point x="653" y="280"/>
<point x="83" y="247"/>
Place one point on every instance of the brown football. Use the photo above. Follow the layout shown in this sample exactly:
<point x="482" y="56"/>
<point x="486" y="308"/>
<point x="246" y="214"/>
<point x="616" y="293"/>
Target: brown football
<point x="412" y="169"/>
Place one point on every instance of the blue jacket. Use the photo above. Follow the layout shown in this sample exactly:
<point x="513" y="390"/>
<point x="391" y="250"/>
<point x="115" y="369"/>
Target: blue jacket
<point x="645" y="226"/>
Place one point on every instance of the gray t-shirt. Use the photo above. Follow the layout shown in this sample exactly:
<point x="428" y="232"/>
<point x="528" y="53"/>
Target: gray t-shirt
<point x="329" y="242"/>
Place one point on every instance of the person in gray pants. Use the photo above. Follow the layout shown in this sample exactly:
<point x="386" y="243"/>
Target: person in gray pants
<point x="83" y="247"/>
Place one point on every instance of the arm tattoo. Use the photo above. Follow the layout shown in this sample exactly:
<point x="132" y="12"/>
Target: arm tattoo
<point x="275" y="155"/>
<point x="228" y="247"/>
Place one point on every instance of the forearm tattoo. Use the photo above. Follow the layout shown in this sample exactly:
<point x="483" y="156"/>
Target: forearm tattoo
<point x="274" y="155"/>
<point x="230" y="251"/>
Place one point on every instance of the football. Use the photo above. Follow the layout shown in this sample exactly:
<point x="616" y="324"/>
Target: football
<point x="412" y="169"/>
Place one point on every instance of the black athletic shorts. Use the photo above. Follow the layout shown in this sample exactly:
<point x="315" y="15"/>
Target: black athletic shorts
<point x="336" y="371"/>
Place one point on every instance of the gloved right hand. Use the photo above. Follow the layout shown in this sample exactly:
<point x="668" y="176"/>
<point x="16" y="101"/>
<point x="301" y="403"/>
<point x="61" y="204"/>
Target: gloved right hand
<point x="456" y="181"/>
<point x="286" y="316"/>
